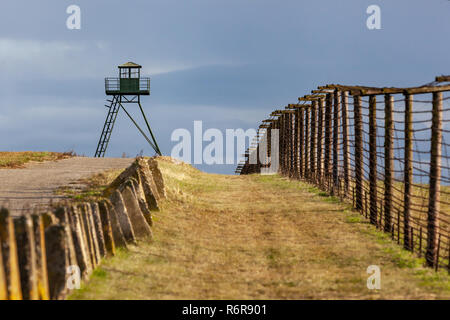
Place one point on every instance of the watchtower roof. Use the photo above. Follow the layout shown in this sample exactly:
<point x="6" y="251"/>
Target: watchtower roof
<point x="130" y="64"/>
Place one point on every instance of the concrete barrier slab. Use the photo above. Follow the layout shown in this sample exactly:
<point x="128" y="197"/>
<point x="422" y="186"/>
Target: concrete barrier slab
<point x="140" y="225"/>
<point x="138" y="191"/>
<point x="110" y="246"/>
<point x="80" y="242"/>
<point x="27" y="257"/>
<point x="56" y="247"/>
<point x="41" y="257"/>
<point x="157" y="177"/>
<point x="123" y="216"/>
<point x="118" y="236"/>
<point x="85" y="224"/>
<point x="98" y="229"/>
<point x="3" y="284"/>
<point x="10" y="257"/>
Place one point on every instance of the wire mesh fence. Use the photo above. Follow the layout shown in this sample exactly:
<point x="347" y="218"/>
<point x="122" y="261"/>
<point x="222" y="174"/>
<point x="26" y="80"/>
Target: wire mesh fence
<point x="384" y="149"/>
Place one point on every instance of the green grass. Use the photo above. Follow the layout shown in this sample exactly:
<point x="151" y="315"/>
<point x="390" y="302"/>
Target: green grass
<point x="259" y="237"/>
<point x="19" y="159"/>
<point x="94" y="187"/>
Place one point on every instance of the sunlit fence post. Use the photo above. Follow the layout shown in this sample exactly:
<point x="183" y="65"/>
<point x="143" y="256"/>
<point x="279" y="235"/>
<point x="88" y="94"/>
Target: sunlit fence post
<point x="345" y="152"/>
<point x="408" y="171"/>
<point x="373" y="159"/>
<point x="328" y="137"/>
<point x="306" y="141"/>
<point x="296" y="142"/>
<point x="336" y="106"/>
<point x="292" y="143"/>
<point x="320" y="141"/>
<point x="388" y="160"/>
<point x="283" y="142"/>
<point x="313" y="140"/>
<point x="358" y="153"/>
<point x="302" y="144"/>
<point x="432" y="256"/>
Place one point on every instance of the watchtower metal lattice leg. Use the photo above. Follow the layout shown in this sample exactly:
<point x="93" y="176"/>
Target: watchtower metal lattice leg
<point x="116" y="104"/>
<point x="108" y="127"/>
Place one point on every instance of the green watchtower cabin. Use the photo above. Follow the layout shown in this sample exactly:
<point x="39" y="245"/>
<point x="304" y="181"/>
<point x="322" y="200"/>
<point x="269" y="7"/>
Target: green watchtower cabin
<point x="127" y="88"/>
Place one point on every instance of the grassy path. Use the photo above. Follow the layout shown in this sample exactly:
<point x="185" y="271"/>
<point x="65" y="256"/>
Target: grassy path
<point x="258" y="237"/>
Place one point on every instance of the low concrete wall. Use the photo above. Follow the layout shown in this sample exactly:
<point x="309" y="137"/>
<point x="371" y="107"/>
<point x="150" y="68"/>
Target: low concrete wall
<point x="41" y="253"/>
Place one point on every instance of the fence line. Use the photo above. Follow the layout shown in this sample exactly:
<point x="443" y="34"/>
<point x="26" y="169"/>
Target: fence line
<point x="384" y="149"/>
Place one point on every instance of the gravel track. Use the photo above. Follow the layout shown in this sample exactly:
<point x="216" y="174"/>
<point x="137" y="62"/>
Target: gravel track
<point x="35" y="185"/>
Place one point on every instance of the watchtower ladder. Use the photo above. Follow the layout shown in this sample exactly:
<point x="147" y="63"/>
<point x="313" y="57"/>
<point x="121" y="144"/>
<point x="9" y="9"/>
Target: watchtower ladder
<point x="108" y="126"/>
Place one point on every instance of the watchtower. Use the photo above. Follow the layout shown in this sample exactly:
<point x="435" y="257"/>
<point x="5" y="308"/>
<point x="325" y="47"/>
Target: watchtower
<point x="127" y="88"/>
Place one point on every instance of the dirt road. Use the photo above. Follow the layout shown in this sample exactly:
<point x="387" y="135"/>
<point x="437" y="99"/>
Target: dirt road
<point x="35" y="184"/>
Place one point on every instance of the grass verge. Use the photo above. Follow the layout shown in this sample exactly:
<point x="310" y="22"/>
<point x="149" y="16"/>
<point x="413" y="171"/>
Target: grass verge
<point x="259" y="237"/>
<point x="14" y="160"/>
<point x="92" y="188"/>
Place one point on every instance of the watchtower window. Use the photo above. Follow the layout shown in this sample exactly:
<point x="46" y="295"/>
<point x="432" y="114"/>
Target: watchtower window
<point x="130" y="73"/>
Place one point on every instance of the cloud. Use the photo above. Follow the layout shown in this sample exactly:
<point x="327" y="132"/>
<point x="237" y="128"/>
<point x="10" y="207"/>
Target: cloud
<point x="69" y="60"/>
<point x="159" y="67"/>
<point x="19" y="57"/>
<point x="26" y="50"/>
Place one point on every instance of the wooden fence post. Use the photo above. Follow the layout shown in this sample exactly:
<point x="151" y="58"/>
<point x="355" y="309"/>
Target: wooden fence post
<point x="299" y="141"/>
<point x="335" y="140"/>
<point x="345" y="152"/>
<point x="388" y="160"/>
<point x="358" y="152"/>
<point x="282" y="142"/>
<point x="313" y="140"/>
<point x="436" y="263"/>
<point x="260" y="159"/>
<point x="320" y="140"/>
<point x="302" y="143"/>
<point x="420" y="242"/>
<point x="328" y="142"/>
<point x="296" y="149"/>
<point x="435" y="181"/>
<point x="269" y="144"/>
<point x="307" y="160"/>
<point x="407" y="170"/>
<point x="373" y="159"/>
<point x="292" y="144"/>
<point x="288" y="143"/>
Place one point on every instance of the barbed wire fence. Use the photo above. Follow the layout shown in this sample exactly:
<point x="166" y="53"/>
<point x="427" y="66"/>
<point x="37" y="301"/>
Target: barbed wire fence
<point x="384" y="149"/>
